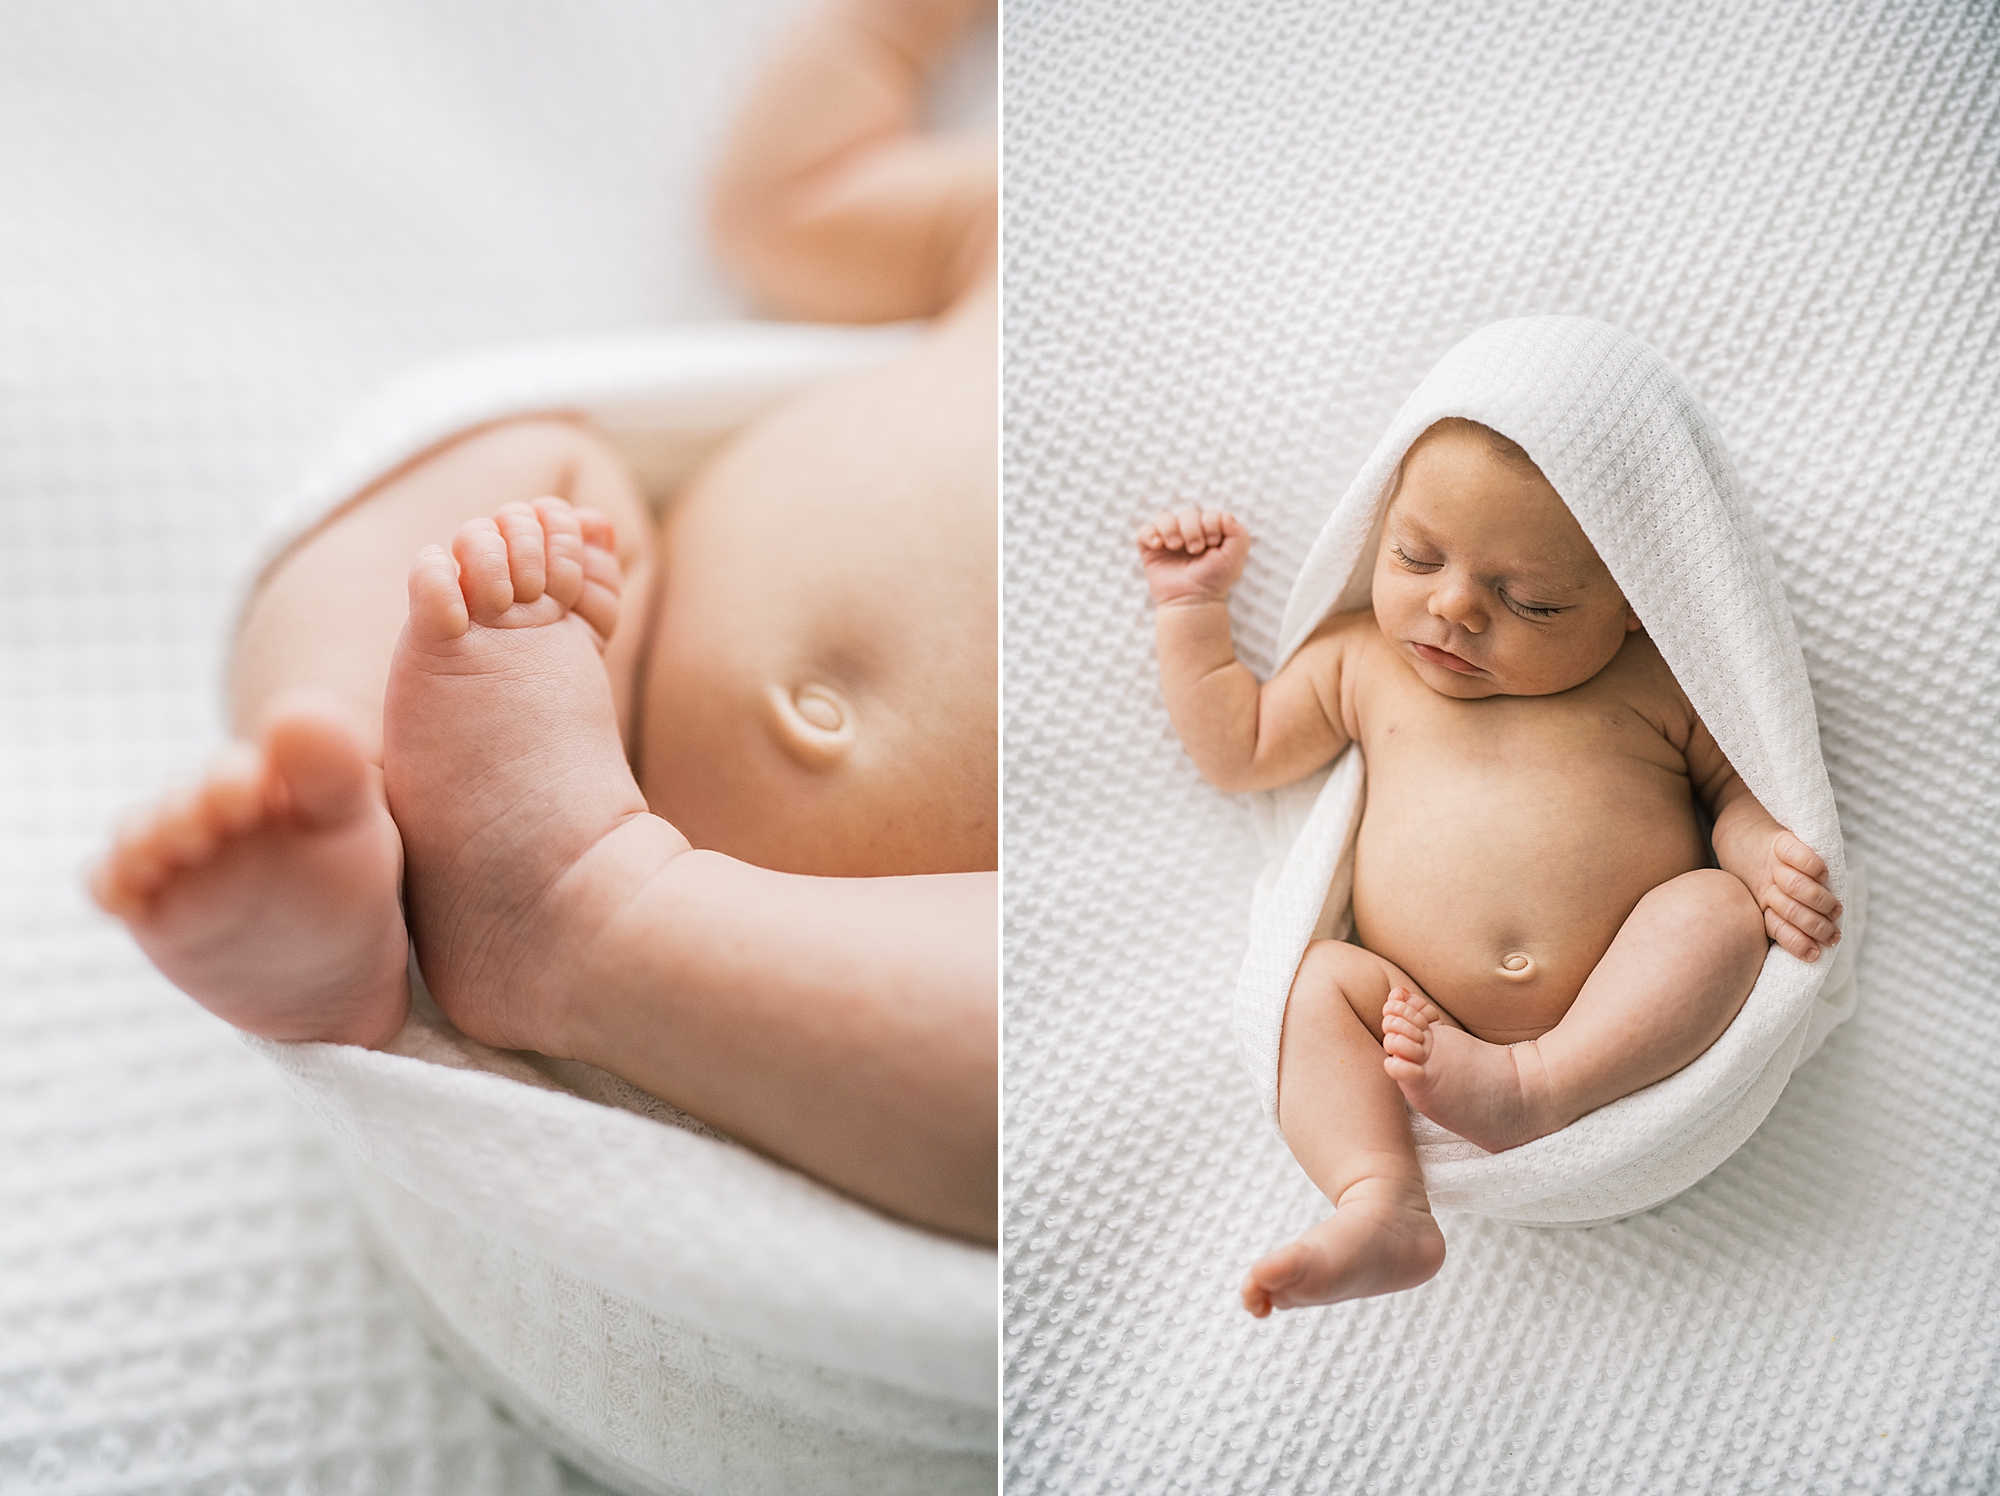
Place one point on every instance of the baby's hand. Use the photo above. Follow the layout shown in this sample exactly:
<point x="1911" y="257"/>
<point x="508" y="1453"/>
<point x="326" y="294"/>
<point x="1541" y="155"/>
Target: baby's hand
<point x="1800" y="911"/>
<point x="1196" y="554"/>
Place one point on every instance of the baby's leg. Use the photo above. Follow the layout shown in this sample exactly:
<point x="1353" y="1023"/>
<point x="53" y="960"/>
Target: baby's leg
<point x="845" y="1025"/>
<point x="1671" y="982"/>
<point x="1346" y="1125"/>
<point x="831" y="201"/>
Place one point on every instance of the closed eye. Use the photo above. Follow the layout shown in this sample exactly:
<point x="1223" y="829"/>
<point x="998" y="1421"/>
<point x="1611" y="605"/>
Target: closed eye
<point x="1410" y="563"/>
<point x="1529" y="610"/>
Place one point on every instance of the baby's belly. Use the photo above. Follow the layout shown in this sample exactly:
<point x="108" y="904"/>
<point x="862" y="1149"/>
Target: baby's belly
<point x="820" y="694"/>
<point x="1500" y="896"/>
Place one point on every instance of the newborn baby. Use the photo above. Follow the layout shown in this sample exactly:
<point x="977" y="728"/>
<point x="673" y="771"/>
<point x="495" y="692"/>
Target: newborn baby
<point x="710" y="803"/>
<point x="1537" y="928"/>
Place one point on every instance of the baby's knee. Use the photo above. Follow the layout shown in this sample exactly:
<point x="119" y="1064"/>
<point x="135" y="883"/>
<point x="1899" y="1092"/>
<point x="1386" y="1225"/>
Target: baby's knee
<point x="1334" y="975"/>
<point x="1713" y="909"/>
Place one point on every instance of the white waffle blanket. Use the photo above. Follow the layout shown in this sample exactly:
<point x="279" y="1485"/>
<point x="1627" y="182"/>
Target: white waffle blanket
<point x="1238" y="235"/>
<point x="1639" y="463"/>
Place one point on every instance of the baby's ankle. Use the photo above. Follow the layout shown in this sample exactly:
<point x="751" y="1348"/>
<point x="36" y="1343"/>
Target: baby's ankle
<point x="1545" y="1099"/>
<point x="1388" y="1190"/>
<point x="600" y="929"/>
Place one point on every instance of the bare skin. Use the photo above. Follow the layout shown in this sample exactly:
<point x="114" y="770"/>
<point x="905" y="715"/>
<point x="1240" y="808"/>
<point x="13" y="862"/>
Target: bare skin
<point x="814" y="691"/>
<point x="1536" y="932"/>
<point x="838" y="1021"/>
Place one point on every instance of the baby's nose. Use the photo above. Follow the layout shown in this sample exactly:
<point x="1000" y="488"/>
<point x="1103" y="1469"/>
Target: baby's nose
<point x="1457" y="602"/>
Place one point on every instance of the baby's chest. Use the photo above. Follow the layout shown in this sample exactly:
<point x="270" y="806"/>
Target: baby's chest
<point x="1579" y="745"/>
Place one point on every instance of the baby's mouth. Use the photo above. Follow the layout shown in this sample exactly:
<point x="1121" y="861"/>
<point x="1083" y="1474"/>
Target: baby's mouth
<point x="1431" y="655"/>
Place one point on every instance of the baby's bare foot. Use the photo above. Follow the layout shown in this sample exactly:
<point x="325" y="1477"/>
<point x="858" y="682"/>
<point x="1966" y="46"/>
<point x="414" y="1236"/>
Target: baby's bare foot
<point x="1381" y="1238"/>
<point x="1495" y="1095"/>
<point x="503" y="761"/>
<point x="269" y="892"/>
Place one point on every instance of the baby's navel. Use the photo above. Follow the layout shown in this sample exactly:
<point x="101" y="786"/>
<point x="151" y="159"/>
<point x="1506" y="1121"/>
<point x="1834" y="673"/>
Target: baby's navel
<point x="1517" y="966"/>
<point x="813" y="723"/>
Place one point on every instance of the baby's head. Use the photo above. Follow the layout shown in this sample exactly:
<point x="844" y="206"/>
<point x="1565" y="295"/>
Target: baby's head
<point x="1485" y="581"/>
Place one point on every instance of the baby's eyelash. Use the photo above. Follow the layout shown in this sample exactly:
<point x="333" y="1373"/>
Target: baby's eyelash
<point x="1529" y="609"/>
<point x="1410" y="561"/>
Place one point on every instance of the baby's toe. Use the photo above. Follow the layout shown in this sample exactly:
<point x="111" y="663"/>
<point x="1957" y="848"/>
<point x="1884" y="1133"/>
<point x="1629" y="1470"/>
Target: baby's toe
<point x="520" y="525"/>
<point x="598" y="529"/>
<point x="183" y="834"/>
<point x="485" y="578"/>
<point x="136" y="863"/>
<point x="438" y="610"/>
<point x="1402" y="1024"/>
<point x="563" y="542"/>
<point x="233" y="793"/>
<point x="597" y="597"/>
<point x="1411" y="1051"/>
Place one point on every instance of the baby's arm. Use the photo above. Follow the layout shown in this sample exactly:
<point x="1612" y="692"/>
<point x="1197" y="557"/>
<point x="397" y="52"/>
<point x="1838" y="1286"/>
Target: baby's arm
<point x="1784" y="875"/>
<point x="1241" y="734"/>
<point x="829" y="201"/>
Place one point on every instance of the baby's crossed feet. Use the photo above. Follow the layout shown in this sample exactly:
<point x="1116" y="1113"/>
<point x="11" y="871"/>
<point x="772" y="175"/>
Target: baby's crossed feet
<point x="1496" y="1095"/>
<point x="269" y="892"/>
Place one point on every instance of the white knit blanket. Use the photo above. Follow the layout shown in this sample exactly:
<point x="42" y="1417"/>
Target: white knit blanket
<point x="1638" y="460"/>
<point x="1238" y="235"/>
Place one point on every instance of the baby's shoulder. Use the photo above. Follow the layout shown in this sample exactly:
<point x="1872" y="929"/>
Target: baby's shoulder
<point x="1640" y="676"/>
<point x="1341" y="635"/>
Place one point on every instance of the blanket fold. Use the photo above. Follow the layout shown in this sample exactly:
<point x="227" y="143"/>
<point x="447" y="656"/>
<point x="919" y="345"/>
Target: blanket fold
<point x="1623" y="440"/>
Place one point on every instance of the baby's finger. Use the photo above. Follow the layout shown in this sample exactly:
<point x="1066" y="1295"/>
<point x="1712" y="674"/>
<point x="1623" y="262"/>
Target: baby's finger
<point x="1800" y="917"/>
<point x="1211" y="526"/>
<point x="1191" y="532"/>
<point x="1790" y="937"/>
<point x="1149" y="537"/>
<point x="1802" y="857"/>
<point x="1806" y="891"/>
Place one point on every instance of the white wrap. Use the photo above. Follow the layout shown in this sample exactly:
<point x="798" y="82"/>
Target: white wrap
<point x="1634" y="455"/>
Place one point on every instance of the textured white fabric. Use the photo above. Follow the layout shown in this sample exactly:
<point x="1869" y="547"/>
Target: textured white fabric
<point x="1639" y="463"/>
<point x="680" y="1312"/>
<point x="1238" y="235"/>
<point x="226" y="224"/>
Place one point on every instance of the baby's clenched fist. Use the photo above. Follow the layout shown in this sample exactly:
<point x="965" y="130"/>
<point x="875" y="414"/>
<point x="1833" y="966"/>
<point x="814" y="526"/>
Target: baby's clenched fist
<point x="1193" y="555"/>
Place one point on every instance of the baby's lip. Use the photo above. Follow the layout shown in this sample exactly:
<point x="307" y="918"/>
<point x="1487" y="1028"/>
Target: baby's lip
<point x="1432" y="655"/>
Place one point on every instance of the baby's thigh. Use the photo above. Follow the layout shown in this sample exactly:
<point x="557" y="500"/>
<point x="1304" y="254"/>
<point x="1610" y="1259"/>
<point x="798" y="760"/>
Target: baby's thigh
<point x="1336" y="979"/>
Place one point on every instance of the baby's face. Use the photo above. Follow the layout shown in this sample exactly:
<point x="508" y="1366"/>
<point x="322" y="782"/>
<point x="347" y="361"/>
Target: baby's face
<point x="1485" y="582"/>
